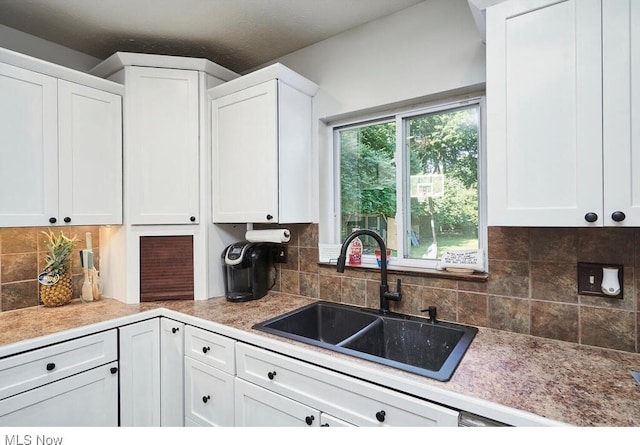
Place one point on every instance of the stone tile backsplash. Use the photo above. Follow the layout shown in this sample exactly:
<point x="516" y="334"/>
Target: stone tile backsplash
<point x="531" y="287"/>
<point x="22" y="258"/>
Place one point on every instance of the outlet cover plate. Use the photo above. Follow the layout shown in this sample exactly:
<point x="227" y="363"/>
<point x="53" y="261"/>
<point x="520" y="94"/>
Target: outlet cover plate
<point x="590" y="279"/>
<point x="279" y="253"/>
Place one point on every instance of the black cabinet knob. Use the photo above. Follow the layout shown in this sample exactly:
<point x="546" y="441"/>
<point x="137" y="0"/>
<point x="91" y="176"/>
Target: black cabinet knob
<point x="205" y="399"/>
<point x="53" y="220"/>
<point x="309" y="419"/>
<point x="380" y="415"/>
<point x="113" y="370"/>
<point x="67" y="219"/>
<point x="269" y="217"/>
<point x="325" y="424"/>
<point x="174" y="330"/>
<point x="618" y="216"/>
<point x="205" y="349"/>
<point x="591" y="217"/>
<point x="192" y="219"/>
<point x="271" y="375"/>
<point x="51" y="366"/>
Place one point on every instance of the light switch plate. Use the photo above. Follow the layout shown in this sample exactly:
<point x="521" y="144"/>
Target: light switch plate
<point x="590" y="279"/>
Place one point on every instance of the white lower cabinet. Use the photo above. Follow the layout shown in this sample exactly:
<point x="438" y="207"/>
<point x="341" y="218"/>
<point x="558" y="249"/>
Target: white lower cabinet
<point x="73" y="383"/>
<point x="209" y="368"/>
<point x="329" y="420"/>
<point x="348" y="399"/>
<point x="208" y="395"/>
<point x="171" y="372"/>
<point x="140" y="373"/>
<point x="86" y="399"/>
<point x="256" y="406"/>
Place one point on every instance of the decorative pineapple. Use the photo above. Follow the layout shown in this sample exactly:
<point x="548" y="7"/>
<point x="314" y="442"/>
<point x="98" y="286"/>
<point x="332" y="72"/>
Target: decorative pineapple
<point x="56" y="286"/>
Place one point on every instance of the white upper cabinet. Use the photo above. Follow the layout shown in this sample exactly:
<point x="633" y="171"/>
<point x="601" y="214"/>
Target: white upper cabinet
<point x="61" y="150"/>
<point x="89" y="155"/>
<point x="621" y="111"/>
<point x="559" y="113"/>
<point x="162" y="145"/>
<point x="28" y="147"/>
<point x="261" y="148"/>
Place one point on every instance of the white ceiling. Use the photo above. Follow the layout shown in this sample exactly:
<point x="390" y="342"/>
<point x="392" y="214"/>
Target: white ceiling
<point x="237" y="34"/>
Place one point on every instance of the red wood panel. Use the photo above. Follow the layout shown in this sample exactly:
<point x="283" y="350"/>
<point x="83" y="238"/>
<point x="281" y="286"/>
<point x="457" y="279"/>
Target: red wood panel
<point x="166" y="268"/>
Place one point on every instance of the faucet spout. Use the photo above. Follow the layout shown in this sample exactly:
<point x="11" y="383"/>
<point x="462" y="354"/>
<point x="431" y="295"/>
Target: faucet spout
<point x="385" y="294"/>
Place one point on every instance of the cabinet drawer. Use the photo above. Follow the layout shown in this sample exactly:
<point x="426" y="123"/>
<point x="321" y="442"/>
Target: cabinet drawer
<point x="347" y="398"/>
<point x="31" y="369"/>
<point x="86" y="399"/>
<point x="212" y="349"/>
<point x="208" y="395"/>
<point x="255" y="406"/>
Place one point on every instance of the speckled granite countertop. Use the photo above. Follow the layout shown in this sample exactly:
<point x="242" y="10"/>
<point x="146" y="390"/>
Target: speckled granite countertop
<point x="562" y="381"/>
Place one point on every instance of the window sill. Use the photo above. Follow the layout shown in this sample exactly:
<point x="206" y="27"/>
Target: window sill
<point x="419" y="271"/>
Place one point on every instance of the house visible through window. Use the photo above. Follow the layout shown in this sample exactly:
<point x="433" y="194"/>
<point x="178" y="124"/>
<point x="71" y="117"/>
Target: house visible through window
<point x="414" y="179"/>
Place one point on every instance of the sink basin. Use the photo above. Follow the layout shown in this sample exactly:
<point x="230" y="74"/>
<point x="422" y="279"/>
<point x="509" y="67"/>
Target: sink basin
<point x="322" y="323"/>
<point x="412" y="344"/>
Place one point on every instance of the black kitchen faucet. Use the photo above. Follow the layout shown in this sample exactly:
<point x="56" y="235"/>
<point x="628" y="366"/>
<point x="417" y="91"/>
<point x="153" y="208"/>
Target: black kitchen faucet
<point x="385" y="294"/>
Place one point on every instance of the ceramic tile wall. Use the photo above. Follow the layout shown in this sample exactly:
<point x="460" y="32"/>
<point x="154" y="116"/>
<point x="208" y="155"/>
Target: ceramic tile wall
<point x="531" y="288"/>
<point x="22" y="257"/>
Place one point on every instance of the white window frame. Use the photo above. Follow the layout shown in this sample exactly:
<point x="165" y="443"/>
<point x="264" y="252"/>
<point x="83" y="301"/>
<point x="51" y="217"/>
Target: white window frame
<point x="399" y="116"/>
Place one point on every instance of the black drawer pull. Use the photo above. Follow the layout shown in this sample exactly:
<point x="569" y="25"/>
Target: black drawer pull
<point x="174" y="330"/>
<point x="205" y="349"/>
<point x="205" y="399"/>
<point x="380" y="415"/>
<point x="51" y="366"/>
<point x="309" y="419"/>
<point x="113" y="370"/>
<point x="271" y="375"/>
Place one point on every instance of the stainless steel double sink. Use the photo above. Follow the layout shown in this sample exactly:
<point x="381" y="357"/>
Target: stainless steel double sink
<point x="413" y="344"/>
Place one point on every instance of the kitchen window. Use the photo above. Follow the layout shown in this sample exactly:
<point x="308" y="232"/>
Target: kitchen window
<point x="414" y="177"/>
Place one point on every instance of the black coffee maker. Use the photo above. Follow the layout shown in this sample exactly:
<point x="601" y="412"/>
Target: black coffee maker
<point x="247" y="271"/>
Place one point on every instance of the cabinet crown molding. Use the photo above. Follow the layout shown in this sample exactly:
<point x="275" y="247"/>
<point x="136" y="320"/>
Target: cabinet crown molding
<point x="275" y="71"/>
<point x="119" y="60"/>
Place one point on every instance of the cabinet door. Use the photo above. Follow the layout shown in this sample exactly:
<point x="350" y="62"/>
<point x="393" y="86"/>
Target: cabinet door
<point x="171" y="372"/>
<point x="245" y="155"/>
<point x="86" y="399"/>
<point x="327" y="420"/>
<point x="162" y="145"/>
<point x="90" y="155"/>
<point x="621" y="110"/>
<point x="28" y="148"/>
<point x="352" y="400"/>
<point x="208" y="395"/>
<point x="256" y="406"/>
<point x="140" y="374"/>
<point x="544" y="112"/>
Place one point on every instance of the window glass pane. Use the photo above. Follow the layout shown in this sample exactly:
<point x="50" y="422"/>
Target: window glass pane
<point x="368" y="181"/>
<point x="442" y="190"/>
